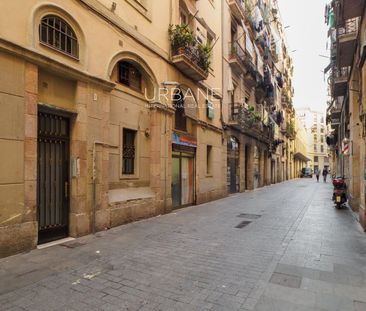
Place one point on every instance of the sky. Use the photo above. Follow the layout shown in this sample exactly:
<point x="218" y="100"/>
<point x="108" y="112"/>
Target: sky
<point x="307" y="35"/>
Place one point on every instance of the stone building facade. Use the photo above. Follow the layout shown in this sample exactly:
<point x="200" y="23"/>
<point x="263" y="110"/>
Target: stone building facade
<point x="117" y="111"/>
<point x="346" y="106"/>
<point x="257" y="96"/>
<point x="317" y="131"/>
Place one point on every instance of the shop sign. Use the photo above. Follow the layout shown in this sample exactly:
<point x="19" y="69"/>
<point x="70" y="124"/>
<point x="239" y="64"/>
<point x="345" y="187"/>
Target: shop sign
<point x="336" y="118"/>
<point x="184" y="140"/>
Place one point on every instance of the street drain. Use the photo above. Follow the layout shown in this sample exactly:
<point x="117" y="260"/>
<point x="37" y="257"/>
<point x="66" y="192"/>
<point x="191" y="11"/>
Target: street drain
<point x="243" y="224"/>
<point x="249" y="216"/>
<point x="287" y="280"/>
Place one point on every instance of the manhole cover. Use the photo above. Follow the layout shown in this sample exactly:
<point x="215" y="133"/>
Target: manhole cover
<point x="249" y="216"/>
<point x="359" y="305"/>
<point x="72" y="245"/>
<point x="243" y="224"/>
<point x="285" y="280"/>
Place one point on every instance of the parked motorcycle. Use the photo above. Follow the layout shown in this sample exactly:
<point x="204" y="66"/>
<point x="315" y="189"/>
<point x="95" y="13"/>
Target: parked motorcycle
<point x="339" y="191"/>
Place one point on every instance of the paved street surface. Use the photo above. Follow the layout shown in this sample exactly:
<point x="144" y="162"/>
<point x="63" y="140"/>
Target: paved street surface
<point x="297" y="253"/>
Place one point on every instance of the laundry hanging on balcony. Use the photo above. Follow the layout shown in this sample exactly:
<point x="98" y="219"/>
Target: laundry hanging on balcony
<point x="249" y="46"/>
<point x="276" y="42"/>
<point x="329" y="16"/>
<point x="260" y="64"/>
<point x="258" y="22"/>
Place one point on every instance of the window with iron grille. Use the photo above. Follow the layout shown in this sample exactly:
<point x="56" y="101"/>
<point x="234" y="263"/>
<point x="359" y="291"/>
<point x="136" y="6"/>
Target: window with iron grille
<point x="129" y="152"/>
<point x="57" y="34"/>
<point x="130" y="76"/>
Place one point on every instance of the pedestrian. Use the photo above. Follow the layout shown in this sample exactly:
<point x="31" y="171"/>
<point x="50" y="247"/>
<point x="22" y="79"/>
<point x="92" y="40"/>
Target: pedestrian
<point x="317" y="173"/>
<point x="325" y="173"/>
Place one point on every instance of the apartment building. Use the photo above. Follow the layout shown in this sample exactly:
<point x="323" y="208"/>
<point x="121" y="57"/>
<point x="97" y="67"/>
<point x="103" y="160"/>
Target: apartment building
<point x="316" y="131"/>
<point x="114" y="111"/>
<point x="96" y="127"/>
<point x="346" y="107"/>
<point x="257" y="96"/>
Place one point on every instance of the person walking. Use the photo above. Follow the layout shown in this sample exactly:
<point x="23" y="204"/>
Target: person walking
<point x="325" y="173"/>
<point x="317" y="173"/>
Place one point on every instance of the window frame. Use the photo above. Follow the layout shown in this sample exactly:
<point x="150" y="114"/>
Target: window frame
<point x="134" y="172"/>
<point x="72" y="37"/>
<point x="130" y="66"/>
<point x="209" y="151"/>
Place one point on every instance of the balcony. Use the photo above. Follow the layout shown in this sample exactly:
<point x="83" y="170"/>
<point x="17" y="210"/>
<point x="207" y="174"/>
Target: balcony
<point x="237" y="8"/>
<point x="339" y="81"/>
<point x="346" y="40"/>
<point x="290" y="130"/>
<point x="237" y="55"/>
<point x="188" y="60"/>
<point x="249" y="122"/>
<point x="190" y="57"/>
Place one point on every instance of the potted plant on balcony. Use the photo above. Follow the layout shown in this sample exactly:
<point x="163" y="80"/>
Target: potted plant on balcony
<point x="252" y="117"/>
<point x="205" y="51"/>
<point x="180" y="36"/>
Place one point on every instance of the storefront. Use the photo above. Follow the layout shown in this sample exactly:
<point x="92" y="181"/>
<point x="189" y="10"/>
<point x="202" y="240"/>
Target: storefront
<point x="183" y="170"/>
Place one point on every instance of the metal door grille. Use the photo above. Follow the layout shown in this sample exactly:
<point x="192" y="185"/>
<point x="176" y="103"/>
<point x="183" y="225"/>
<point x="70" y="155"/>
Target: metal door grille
<point x="53" y="176"/>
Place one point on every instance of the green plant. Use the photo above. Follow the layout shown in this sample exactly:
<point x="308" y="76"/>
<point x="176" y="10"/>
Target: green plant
<point x="205" y="52"/>
<point x="180" y="36"/>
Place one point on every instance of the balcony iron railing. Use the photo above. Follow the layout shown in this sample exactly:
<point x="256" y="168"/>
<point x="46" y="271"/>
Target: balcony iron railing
<point x="238" y="8"/>
<point x="351" y="26"/>
<point x="190" y="61"/>
<point x="341" y="73"/>
<point x="237" y="52"/>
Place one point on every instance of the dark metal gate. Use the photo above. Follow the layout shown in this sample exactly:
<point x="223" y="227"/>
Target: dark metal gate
<point x="53" y="176"/>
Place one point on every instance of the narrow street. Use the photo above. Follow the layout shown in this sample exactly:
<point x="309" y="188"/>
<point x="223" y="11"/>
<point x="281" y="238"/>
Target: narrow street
<point x="297" y="253"/>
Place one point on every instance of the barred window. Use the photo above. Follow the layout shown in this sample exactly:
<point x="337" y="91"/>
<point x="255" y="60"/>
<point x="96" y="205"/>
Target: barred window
<point x="129" y="151"/>
<point x="57" y="34"/>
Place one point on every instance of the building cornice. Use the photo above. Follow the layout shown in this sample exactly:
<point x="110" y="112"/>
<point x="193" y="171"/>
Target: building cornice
<point x="209" y="126"/>
<point x="52" y="65"/>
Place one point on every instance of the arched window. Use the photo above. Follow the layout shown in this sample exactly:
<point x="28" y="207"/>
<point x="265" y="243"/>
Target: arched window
<point x="130" y="75"/>
<point x="57" y="34"/>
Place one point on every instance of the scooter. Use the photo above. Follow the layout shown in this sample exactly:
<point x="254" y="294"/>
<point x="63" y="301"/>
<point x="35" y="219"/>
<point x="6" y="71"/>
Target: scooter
<point x="339" y="191"/>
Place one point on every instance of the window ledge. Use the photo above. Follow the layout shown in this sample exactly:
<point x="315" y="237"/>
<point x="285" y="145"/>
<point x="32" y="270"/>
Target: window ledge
<point x="129" y="177"/>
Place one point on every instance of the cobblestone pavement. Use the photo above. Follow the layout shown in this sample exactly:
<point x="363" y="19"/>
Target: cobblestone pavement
<point x="297" y="253"/>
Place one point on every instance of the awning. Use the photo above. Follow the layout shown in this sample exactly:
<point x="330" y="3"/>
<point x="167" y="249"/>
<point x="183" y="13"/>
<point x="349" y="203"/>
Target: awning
<point x="329" y="67"/>
<point x="205" y="25"/>
<point x="249" y="46"/>
<point x="260" y="64"/>
<point x="190" y="103"/>
<point x="188" y="6"/>
<point x="301" y="157"/>
<point x="230" y="87"/>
